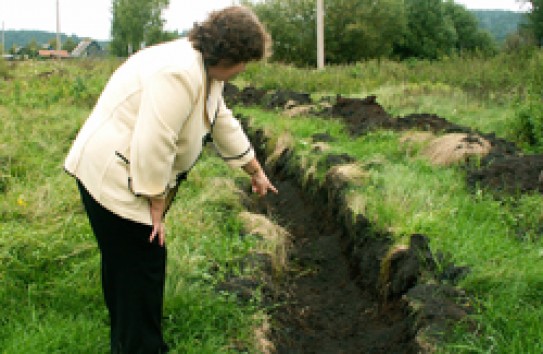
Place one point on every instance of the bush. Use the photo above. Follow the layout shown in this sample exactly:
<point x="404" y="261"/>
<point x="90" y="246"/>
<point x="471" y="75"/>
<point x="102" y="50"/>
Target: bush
<point x="527" y="128"/>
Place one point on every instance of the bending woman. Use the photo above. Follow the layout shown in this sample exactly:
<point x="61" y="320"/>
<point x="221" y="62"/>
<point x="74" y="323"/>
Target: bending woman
<point x="142" y="138"/>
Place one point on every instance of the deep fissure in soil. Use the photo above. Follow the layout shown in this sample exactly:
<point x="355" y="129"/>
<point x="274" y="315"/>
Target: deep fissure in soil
<point x="347" y="288"/>
<point x="322" y="306"/>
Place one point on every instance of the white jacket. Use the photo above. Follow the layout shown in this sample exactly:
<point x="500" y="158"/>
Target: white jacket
<point x="148" y="127"/>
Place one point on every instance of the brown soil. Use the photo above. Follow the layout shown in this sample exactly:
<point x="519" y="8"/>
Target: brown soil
<point x="510" y="174"/>
<point x="323" y="309"/>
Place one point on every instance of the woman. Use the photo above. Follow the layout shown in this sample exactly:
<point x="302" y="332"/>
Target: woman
<point x="144" y="135"/>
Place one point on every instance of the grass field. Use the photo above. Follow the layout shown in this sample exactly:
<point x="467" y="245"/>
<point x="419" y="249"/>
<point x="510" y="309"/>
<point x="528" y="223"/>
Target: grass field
<point x="50" y="292"/>
<point x="50" y="284"/>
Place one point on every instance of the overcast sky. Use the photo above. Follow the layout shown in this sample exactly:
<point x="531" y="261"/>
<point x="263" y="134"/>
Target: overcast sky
<point x="92" y="18"/>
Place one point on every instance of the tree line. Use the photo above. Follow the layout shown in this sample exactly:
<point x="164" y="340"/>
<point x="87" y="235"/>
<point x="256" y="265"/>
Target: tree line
<point x="355" y="30"/>
<point x="362" y="29"/>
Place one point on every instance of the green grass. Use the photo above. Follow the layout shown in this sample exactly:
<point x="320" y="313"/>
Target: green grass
<point x="50" y="291"/>
<point x="484" y="78"/>
<point x="49" y="280"/>
<point x="499" y="240"/>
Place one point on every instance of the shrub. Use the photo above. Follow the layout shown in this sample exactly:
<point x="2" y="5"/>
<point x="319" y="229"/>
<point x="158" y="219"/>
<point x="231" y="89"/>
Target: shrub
<point x="527" y="127"/>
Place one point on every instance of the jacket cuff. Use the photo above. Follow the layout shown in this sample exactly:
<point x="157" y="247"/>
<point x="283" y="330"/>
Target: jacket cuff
<point x="242" y="159"/>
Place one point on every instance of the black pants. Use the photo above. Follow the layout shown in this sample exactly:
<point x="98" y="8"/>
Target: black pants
<point x="133" y="274"/>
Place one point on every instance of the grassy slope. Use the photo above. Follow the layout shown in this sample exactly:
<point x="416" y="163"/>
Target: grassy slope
<point x="49" y="280"/>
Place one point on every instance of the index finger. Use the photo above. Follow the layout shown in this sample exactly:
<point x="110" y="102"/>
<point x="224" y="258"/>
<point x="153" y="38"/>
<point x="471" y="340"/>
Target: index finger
<point x="273" y="189"/>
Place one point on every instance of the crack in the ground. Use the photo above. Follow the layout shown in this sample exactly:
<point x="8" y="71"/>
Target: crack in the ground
<point x="325" y="311"/>
<point x="345" y="288"/>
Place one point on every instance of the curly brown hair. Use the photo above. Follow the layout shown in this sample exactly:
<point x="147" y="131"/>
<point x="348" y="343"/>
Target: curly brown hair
<point x="231" y="36"/>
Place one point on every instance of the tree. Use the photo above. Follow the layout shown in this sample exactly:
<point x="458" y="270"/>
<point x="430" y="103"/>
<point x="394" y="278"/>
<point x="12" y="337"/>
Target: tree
<point x="430" y="33"/>
<point x="522" y="41"/>
<point x="31" y="49"/>
<point x="136" y="23"/>
<point x="536" y="20"/>
<point x="291" y="24"/>
<point x="354" y="29"/>
<point x="69" y="45"/>
<point x="468" y="35"/>
<point x="358" y="30"/>
<point x="52" y="43"/>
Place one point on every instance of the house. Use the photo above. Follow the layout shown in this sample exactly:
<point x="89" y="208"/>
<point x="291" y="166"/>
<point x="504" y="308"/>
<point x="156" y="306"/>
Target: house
<point x="88" y="48"/>
<point x="51" y="54"/>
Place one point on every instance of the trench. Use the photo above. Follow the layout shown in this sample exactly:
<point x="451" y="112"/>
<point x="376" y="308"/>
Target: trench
<point x="323" y="302"/>
<point x="346" y="287"/>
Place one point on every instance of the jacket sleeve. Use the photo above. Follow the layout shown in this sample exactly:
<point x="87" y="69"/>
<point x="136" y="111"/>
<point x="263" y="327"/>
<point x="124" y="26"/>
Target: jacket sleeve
<point x="230" y="139"/>
<point x="166" y="102"/>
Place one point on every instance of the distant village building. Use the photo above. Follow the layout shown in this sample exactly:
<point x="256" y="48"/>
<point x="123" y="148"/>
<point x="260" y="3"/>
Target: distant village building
<point x="88" y="48"/>
<point x="20" y="53"/>
<point x="51" y="54"/>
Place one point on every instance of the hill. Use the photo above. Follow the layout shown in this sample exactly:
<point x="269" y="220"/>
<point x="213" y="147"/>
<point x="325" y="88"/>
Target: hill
<point x="22" y="37"/>
<point x="499" y="23"/>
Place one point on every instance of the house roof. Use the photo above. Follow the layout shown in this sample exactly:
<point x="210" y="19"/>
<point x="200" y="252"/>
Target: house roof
<point x="82" y="46"/>
<point x="53" y="53"/>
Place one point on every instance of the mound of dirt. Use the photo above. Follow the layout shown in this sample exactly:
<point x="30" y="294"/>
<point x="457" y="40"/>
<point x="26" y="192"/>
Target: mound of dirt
<point x="288" y="99"/>
<point x="510" y="174"/>
<point x="502" y="168"/>
<point x="427" y="122"/>
<point x="249" y="96"/>
<point x="360" y="115"/>
<point x="230" y="93"/>
<point x="255" y="96"/>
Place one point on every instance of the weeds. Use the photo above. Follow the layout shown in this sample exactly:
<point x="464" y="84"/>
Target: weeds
<point x="49" y="279"/>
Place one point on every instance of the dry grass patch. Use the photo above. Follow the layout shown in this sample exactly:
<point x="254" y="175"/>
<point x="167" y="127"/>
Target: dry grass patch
<point x="284" y="143"/>
<point x="413" y="140"/>
<point x="350" y="174"/>
<point x="456" y="147"/>
<point x="297" y="111"/>
<point x="262" y="333"/>
<point x="276" y="238"/>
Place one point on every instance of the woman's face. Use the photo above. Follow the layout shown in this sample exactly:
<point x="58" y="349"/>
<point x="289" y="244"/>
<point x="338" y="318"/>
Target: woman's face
<point x="223" y="72"/>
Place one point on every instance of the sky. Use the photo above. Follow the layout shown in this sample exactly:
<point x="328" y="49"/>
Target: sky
<point x="92" y="18"/>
